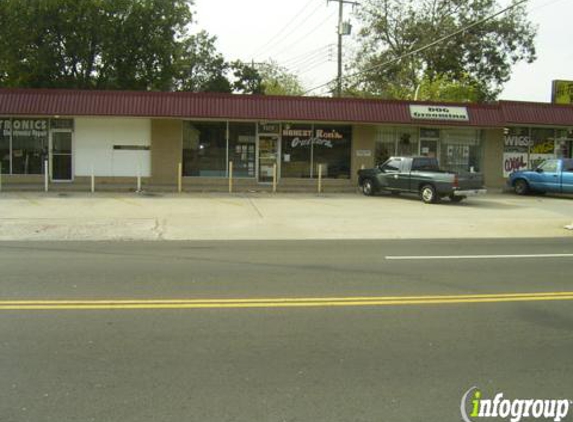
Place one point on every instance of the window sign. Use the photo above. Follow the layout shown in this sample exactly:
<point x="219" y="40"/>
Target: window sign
<point x="331" y="149"/>
<point x="304" y="147"/>
<point x="542" y="146"/>
<point x="31" y="128"/>
<point x="296" y="150"/>
<point x="516" y="145"/>
<point x="23" y="145"/>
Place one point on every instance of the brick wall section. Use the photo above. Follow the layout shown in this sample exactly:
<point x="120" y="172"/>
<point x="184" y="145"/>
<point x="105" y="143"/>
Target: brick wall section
<point x="362" y="139"/>
<point x="166" y="150"/>
<point x="493" y="158"/>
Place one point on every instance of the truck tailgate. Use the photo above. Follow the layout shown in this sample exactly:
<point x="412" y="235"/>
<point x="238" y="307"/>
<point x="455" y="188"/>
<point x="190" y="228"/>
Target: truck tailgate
<point x="468" y="181"/>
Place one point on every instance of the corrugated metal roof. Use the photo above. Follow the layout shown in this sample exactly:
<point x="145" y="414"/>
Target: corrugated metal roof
<point x="527" y="113"/>
<point x="42" y="102"/>
<point x="191" y="105"/>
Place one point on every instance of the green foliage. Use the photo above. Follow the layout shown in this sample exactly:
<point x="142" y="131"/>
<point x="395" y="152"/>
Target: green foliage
<point x="107" y="44"/>
<point x="268" y="78"/>
<point x="122" y="44"/>
<point x="199" y="68"/>
<point x="277" y="80"/>
<point x="470" y="66"/>
<point x="111" y="44"/>
<point x="247" y="79"/>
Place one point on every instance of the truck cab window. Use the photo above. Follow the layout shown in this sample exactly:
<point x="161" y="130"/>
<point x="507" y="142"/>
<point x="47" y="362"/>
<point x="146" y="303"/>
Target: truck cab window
<point x="549" y="166"/>
<point x="391" y="165"/>
<point x="425" y="164"/>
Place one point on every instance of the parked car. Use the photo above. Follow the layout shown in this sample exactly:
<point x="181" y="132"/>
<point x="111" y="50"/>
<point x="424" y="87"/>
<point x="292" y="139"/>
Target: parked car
<point x="554" y="176"/>
<point x="420" y="175"/>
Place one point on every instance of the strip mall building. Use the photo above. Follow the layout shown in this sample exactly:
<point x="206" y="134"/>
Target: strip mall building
<point x="119" y="135"/>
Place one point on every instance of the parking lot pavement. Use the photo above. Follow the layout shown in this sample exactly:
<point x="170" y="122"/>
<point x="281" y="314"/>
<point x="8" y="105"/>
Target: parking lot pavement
<point x="130" y="216"/>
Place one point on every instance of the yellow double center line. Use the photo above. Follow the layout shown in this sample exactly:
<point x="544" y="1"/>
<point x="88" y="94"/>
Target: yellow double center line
<point x="53" y="305"/>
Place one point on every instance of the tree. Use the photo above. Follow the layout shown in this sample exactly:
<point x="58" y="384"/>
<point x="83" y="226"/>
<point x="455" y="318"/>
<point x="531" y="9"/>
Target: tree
<point x="267" y="78"/>
<point x="473" y="65"/>
<point x="277" y="80"/>
<point x="248" y="80"/>
<point x="199" y="68"/>
<point x="106" y="44"/>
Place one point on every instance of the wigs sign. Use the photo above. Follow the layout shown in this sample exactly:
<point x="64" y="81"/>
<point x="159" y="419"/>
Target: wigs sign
<point x="515" y="153"/>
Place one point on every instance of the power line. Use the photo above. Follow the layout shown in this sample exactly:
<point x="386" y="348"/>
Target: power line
<point x="306" y="54"/>
<point x="301" y="63"/>
<point x="323" y="58"/>
<point x="300" y="24"/>
<point x="300" y="12"/>
<point x="423" y="48"/>
<point x="315" y="65"/>
<point x="312" y="31"/>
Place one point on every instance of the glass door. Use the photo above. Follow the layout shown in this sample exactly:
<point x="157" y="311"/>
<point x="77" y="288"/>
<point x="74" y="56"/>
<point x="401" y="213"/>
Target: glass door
<point x="61" y="151"/>
<point x="429" y="148"/>
<point x="268" y="157"/>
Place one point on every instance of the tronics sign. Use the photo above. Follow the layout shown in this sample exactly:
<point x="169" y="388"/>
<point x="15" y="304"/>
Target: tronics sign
<point x="456" y="114"/>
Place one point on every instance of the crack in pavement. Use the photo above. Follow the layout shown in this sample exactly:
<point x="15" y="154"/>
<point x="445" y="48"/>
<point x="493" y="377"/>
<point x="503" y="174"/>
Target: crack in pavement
<point x="255" y="207"/>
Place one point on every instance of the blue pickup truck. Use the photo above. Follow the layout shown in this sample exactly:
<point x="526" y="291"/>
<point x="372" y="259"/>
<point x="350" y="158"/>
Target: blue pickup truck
<point x="553" y="176"/>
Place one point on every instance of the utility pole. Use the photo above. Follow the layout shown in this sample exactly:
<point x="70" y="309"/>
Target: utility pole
<point x="344" y="28"/>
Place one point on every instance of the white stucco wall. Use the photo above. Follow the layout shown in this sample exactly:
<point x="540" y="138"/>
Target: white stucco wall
<point x="94" y="139"/>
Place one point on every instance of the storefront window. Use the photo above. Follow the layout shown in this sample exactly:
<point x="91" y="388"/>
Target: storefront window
<point x="296" y="150"/>
<point x="564" y="143"/>
<point x="29" y="145"/>
<point x="205" y="149"/>
<point x="5" y="145"/>
<point x="542" y="146"/>
<point x="516" y="145"/>
<point x="407" y="142"/>
<point x="460" y="150"/>
<point x="331" y="148"/>
<point x="242" y="142"/>
<point x="385" y="142"/>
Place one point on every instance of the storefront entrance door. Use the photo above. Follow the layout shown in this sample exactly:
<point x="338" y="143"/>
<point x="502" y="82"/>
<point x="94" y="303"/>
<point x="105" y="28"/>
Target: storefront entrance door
<point x="429" y="148"/>
<point x="61" y="149"/>
<point x="268" y="157"/>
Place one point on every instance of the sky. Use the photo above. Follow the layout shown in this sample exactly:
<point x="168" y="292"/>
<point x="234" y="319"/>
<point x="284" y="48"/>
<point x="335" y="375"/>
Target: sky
<point x="301" y="35"/>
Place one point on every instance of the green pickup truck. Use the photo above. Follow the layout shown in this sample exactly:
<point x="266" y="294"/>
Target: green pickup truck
<point x="421" y="175"/>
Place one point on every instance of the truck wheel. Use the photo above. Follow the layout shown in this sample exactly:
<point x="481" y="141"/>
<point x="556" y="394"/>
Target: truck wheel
<point x="521" y="187"/>
<point x="367" y="187"/>
<point x="428" y="194"/>
<point x="457" y="199"/>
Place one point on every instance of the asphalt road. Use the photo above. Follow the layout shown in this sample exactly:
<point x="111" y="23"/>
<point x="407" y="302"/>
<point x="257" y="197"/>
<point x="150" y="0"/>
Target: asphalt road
<point x="224" y="331"/>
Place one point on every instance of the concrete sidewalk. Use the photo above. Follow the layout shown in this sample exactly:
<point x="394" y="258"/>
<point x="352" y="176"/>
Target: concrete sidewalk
<point x="107" y="216"/>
